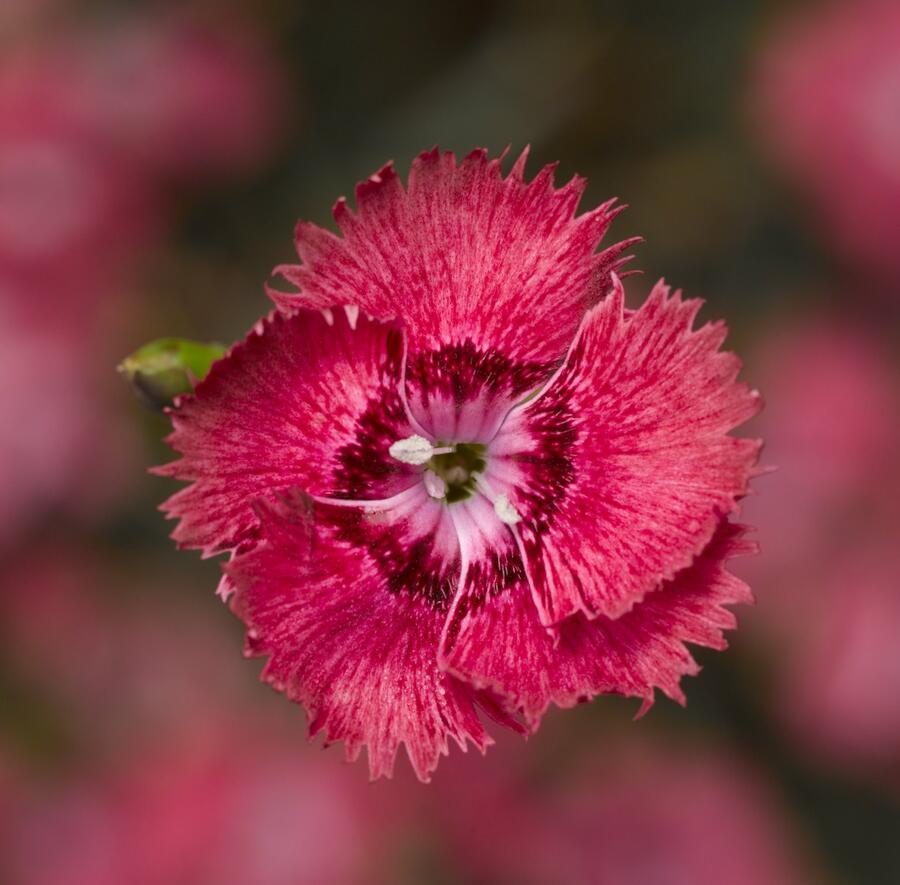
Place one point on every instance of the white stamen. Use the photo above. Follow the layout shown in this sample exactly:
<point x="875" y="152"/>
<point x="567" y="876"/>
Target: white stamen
<point x="352" y="311"/>
<point x="328" y="315"/>
<point x="434" y="485"/>
<point x="505" y="511"/>
<point x="414" y="449"/>
<point x="503" y="507"/>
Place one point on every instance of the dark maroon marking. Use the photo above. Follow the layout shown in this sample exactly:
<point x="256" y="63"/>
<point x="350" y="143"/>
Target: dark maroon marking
<point x="406" y="568"/>
<point x="550" y="470"/>
<point x="551" y="423"/>
<point x="485" y="579"/>
<point x="462" y="371"/>
<point x="365" y="468"/>
<point x="365" y="465"/>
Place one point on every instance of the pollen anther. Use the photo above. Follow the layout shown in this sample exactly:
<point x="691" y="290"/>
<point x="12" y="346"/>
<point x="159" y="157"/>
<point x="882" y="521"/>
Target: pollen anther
<point x="505" y="511"/>
<point x="414" y="449"/>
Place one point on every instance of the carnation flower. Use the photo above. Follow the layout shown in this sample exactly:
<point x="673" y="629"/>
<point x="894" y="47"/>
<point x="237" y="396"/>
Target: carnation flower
<point x="74" y="213"/>
<point x="840" y="688"/>
<point x="830" y="613"/>
<point x="458" y="474"/>
<point x="243" y="807"/>
<point x="175" y="96"/>
<point x="830" y="471"/>
<point x="188" y="95"/>
<point x="131" y="662"/>
<point x="825" y="97"/>
<point x="51" y="459"/>
<point x="651" y="812"/>
<point x="839" y="684"/>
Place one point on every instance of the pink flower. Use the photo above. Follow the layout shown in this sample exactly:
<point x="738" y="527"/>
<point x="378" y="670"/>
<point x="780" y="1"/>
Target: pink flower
<point x="54" y="399"/>
<point x="828" y="614"/>
<point x="73" y="212"/>
<point x="840" y="688"/>
<point x="188" y="97"/>
<point x="246" y="807"/>
<point x="478" y="483"/>
<point x="649" y="814"/>
<point x="61" y="605"/>
<point x="826" y="96"/>
<point x="831" y="427"/>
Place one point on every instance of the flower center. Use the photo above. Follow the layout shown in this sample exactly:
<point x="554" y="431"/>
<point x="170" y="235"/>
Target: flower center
<point x="453" y="472"/>
<point x="458" y="468"/>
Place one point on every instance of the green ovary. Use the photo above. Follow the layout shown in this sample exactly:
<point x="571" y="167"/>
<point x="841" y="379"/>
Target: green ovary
<point x="458" y="469"/>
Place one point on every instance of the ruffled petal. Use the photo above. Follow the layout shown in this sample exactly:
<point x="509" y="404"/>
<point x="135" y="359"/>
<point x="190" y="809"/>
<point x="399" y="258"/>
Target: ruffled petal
<point x="462" y="255"/>
<point x="623" y="467"/>
<point x="494" y="638"/>
<point x="306" y="401"/>
<point x="349" y="606"/>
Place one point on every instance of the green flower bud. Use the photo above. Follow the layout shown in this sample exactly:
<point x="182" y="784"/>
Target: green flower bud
<point x="164" y="368"/>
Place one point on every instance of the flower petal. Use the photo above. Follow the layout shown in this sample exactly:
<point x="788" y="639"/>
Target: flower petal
<point x="494" y="638"/>
<point x="622" y="467"/>
<point x="349" y="608"/>
<point x="463" y="394"/>
<point x="304" y="401"/>
<point x="463" y="254"/>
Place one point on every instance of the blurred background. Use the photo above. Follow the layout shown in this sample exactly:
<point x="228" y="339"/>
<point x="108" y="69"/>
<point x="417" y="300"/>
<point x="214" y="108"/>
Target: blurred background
<point x="153" y="161"/>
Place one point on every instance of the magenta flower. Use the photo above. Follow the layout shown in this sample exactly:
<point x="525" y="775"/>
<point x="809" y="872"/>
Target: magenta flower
<point x="244" y="806"/>
<point x="649" y="812"/>
<point x="825" y="95"/>
<point x="51" y="458"/>
<point x="458" y="474"/>
<point x="830" y="470"/>
<point x="74" y="214"/>
<point x="840" y="688"/>
<point x="188" y="95"/>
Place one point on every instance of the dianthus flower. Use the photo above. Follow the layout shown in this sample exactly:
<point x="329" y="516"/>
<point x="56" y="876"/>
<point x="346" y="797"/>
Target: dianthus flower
<point x="648" y="811"/>
<point x="824" y="98"/>
<point x="456" y="473"/>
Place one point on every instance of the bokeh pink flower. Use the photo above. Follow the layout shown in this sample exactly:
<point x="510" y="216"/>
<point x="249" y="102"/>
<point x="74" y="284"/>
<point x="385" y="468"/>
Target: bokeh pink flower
<point x="246" y="806"/>
<point x="191" y="97"/>
<point x="643" y="812"/>
<point x="75" y="214"/>
<point x="93" y="119"/>
<point x="827" y="582"/>
<point x="52" y="460"/>
<point x="185" y="96"/>
<point x="840" y="684"/>
<point x="825" y="100"/>
<point x="831" y="428"/>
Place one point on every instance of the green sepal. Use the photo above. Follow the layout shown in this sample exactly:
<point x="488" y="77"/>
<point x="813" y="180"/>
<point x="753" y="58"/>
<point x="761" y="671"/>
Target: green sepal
<point x="162" y="369"/>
